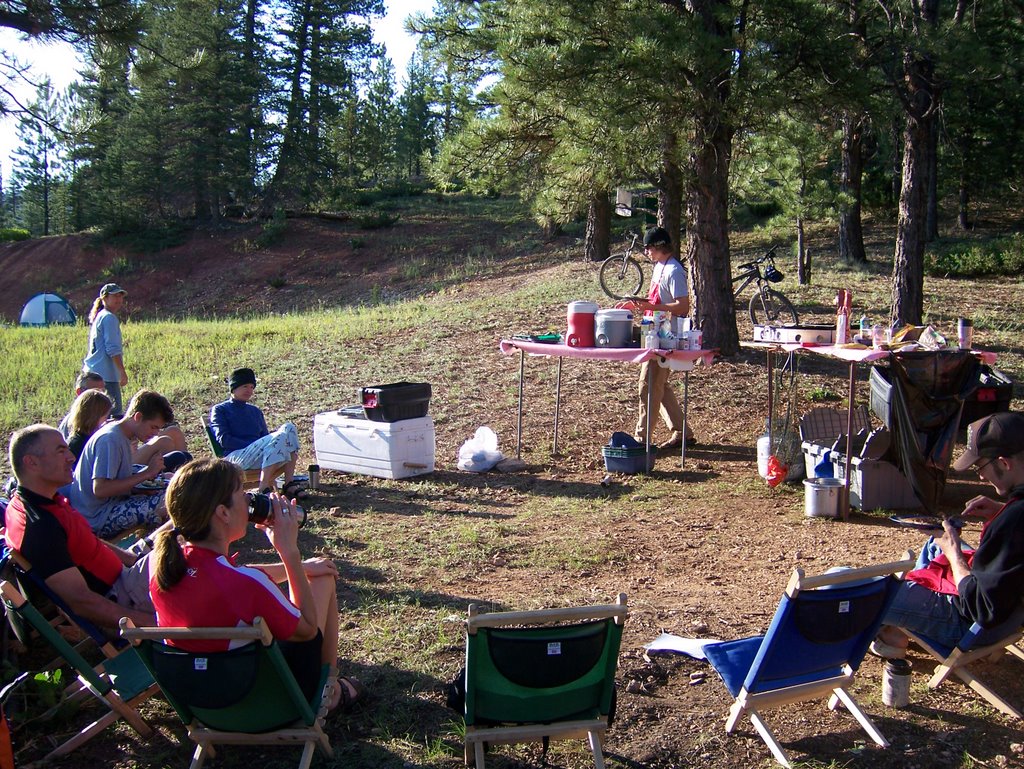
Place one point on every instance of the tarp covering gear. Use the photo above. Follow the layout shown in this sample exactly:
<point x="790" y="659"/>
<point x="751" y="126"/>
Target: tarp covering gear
<point x="928" y="392"/>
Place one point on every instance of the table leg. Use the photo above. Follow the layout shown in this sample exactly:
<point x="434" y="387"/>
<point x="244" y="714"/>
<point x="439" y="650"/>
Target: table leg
<point x="845" y="501"/>
<point x="686" y="406"/>
<point x="771" y="395"/>
<point x="558" y="406"/>
<point x="519" y="420"/>
<point x="647" y="433"/>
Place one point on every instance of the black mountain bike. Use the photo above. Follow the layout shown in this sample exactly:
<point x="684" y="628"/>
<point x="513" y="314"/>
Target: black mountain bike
<point x="767" y="306"/>
<point x="622" y="275"/>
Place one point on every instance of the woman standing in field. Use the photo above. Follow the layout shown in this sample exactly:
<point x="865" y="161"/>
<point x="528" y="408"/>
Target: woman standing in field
<point x="105" y="348"/>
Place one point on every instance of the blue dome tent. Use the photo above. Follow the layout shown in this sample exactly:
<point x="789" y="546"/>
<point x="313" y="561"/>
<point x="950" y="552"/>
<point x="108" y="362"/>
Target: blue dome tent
<point x="47" y="310"/>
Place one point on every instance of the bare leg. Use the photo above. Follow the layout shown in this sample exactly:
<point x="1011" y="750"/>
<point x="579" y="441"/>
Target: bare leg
<point x="158" y="446"/>
<point x="289" y="468"/>
<point x="325" y="597"/>
<point x="177" y="438"/>
<point x="269" y="474"/>
<point x="893" y="636"/>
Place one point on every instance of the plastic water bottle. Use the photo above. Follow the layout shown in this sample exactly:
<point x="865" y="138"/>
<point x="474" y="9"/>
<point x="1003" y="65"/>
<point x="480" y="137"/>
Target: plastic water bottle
<point x="650" y="337"/>
<point x="865" y="327"/>
<point x="842" y="327"/>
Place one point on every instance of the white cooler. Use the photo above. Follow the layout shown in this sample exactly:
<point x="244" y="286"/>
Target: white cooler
<point x="382" y="449"/>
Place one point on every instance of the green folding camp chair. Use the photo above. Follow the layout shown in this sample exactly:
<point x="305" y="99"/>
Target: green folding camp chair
<point x="248" y="476"/>
<point x="529" y="678"/>
<point x="121" y="682"/>
<point x="35" y="589"/>
<point x="245" y="696"/>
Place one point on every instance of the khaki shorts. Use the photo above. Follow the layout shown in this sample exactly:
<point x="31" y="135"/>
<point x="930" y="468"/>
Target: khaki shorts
<point x="131" y="590"/>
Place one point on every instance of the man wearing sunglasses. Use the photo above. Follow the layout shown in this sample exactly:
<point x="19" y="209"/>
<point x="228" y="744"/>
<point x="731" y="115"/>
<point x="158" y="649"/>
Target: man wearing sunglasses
<point x="943" y="600"/>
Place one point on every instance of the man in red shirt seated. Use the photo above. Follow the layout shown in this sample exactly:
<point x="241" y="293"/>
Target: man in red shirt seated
<point x="98" y="581"/>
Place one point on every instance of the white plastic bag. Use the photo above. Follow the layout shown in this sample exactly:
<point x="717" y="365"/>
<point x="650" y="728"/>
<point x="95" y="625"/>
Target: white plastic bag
<point x="480" y="453"/>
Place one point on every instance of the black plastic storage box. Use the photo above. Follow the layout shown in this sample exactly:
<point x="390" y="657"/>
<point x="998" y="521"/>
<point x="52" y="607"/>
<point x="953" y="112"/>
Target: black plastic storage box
<point x="395" y="402"/>
<point x="995" y="390"/>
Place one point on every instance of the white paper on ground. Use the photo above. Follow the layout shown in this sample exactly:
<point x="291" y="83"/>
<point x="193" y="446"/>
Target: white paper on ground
<point x="692" y="647"/>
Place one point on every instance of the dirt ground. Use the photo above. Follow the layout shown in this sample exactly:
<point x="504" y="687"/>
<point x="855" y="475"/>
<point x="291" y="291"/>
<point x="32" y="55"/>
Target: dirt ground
<point x="703" y="549"/>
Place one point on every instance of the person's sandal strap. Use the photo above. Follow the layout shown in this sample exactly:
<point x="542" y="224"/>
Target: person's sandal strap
<point x="294" y="489"/>
<point x="349" y="700"/>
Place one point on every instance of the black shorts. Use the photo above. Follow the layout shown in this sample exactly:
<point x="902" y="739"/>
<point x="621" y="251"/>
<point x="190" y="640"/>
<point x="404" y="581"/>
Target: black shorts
<point x="303" y="658"/>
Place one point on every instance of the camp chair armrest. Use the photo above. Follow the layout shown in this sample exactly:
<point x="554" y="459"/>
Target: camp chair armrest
<point x="851" y="575"/>
<point x="619" y="611"/>
<point x="12" y="596"/>
<point x="967" y="640"/>
<point x="258" y="632"/>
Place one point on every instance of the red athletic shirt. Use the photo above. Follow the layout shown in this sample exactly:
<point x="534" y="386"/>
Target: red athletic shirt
<point x="53" y="536"/>
<point x="216" y="593"/>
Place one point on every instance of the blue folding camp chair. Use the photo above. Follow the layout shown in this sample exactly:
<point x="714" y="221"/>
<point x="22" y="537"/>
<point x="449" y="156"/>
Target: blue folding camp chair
<point x="814" y="645"/>
<point x="976" y="644"/>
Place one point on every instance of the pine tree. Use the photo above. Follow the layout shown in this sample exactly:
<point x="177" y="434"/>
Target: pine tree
<point x="381" y="123"/>
<point x="37" y="161"/>
<point x="417" y="134"/>
<point x="327" y="44"/>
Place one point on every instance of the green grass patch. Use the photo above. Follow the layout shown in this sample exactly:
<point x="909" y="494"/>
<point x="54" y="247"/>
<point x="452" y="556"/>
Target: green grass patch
<point x="376" y="220"/>
<point x="12" y="234"/>
<point x="966" y="259"/>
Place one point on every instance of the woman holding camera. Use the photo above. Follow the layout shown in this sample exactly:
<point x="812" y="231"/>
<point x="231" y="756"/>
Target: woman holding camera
<point x="195" y="582"/>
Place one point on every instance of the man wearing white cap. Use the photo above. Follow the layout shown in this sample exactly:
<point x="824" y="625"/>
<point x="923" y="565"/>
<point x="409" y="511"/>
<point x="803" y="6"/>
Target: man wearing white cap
<point x="956" y="589"/>
<point x="105" y="348"/>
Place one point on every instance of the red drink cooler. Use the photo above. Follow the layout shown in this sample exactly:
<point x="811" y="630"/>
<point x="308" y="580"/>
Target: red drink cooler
<point x="580" y="317"/>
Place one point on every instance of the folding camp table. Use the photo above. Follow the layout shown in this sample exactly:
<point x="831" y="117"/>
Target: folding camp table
<point x="677" y="360"/>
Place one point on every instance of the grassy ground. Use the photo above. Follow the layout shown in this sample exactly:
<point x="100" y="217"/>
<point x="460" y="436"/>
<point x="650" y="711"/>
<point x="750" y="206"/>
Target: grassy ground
<point x="702" y="550"/>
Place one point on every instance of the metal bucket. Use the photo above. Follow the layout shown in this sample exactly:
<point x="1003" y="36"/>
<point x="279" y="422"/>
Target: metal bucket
<point x="821" y="497"/>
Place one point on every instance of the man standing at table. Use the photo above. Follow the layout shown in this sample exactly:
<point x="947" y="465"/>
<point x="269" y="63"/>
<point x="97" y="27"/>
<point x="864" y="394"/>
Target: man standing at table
<point x="669" y="294"/>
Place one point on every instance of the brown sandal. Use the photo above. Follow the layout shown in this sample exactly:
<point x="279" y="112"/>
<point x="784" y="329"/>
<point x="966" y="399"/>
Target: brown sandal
<point x="295" y="490"/>
<point x="353" y="691"/>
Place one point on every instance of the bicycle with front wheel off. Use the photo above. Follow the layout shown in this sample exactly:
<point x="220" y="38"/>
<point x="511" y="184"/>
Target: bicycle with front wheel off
<point x="622" y="275"/>
<point x="767" y="306"/>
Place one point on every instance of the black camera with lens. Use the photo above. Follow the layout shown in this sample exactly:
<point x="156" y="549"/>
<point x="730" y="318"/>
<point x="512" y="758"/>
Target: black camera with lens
<point x="261" y="510"/>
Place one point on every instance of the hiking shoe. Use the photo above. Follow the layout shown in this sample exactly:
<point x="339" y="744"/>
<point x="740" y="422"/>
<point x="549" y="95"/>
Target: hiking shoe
<point x="886" y="651"/>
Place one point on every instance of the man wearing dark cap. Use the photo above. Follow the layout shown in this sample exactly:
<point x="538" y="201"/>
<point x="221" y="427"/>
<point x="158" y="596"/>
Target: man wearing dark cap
<point x="956" y="589"/>
<point x="241" y="430"/>
<point x="668" y="294"/>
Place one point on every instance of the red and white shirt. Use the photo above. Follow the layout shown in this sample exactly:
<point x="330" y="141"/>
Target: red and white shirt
<point x="216" y="593"/>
